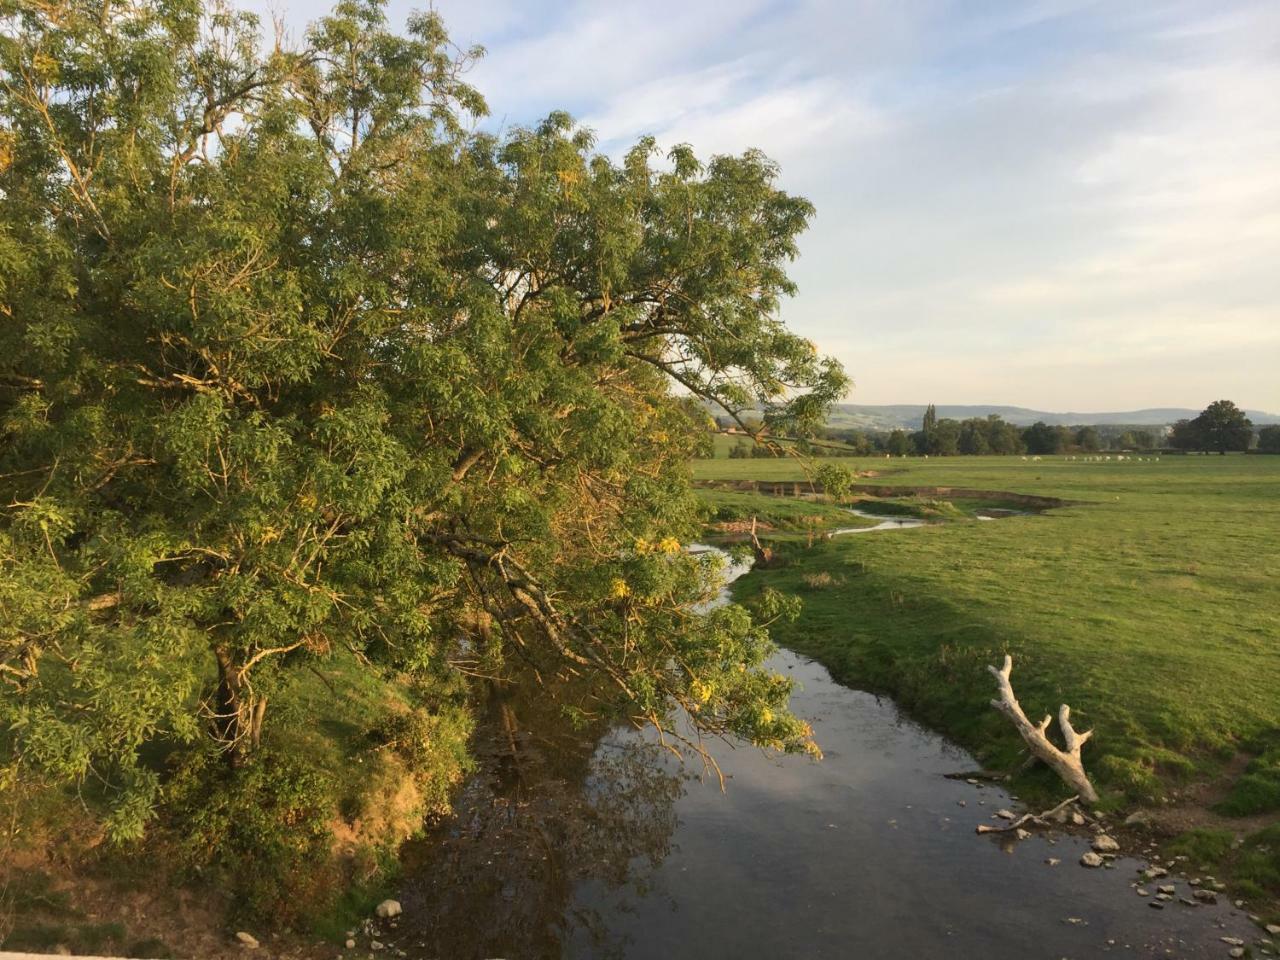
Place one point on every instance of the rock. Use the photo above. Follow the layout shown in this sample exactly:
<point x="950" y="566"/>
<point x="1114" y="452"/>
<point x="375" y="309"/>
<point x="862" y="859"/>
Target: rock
<point x="247" y="939"/>
<point x="1205" y="896"/>
<point x="1189" y="902"/>
<point x="1091" y="859"/>
<point x="1273" y="929"/>
<point x="375" y="945"/>
<point x="1167" y="888"/>
<point x="1137" y="819"/>
<point x="960" y="803"/>
<point x="1143" y="892"/>
<point x="350" y="944"/>
<point x="1156" y="904"/>
<point x="1236" y="952"/>
<point x="1005" y="814"/>
<point x="1022" y="834"/>
<point x="1153" y="872"/>
<point x="1053" y="861"/>
<point x="1104" y="844"/>
<point x="388" y="908"/>
<point x="1232" y="941"/>
<point x="1078" y="819"/>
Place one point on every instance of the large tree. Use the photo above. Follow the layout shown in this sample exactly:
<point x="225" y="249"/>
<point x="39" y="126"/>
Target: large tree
<point x="293" y="365"/>
<point x="1223" y="426"/>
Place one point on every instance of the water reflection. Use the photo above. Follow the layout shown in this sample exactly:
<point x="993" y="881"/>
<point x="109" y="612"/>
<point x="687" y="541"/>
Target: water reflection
<point x="544" y="815"/>
<point x="600" y="844"/>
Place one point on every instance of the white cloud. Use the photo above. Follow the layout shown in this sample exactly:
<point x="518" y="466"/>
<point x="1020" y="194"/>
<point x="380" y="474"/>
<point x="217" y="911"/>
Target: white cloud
<point x="1058" y="203"/>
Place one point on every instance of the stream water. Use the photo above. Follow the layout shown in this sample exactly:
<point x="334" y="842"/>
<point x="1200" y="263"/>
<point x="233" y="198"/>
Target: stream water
<point x="603" y="844"/>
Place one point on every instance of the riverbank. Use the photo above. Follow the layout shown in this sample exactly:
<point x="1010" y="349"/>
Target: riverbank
<point x="1152" y="606"/>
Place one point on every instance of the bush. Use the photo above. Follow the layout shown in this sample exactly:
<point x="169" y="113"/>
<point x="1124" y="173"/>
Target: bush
<point x="263" y="829"/>
<point x="836" y="480"/>
<point x="433" y="749"/>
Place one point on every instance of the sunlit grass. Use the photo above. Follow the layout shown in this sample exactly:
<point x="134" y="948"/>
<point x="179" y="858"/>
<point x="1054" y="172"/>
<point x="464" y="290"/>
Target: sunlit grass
<point x="1152" y="606"/>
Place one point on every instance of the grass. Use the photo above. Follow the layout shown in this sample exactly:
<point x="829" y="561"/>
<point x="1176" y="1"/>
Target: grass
<point x="1258" y="788"/>
<point x="1151" y="605"/>
<point x="1253" y="864"/>
<point x="788" y="518"/>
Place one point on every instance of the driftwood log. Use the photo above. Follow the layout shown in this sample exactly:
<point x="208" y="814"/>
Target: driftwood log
<point x="1065" y="763"/>
<point x="1039" y="819"/>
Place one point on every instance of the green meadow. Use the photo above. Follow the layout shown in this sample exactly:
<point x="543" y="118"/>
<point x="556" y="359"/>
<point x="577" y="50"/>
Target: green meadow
<point x="1150" y="604"/>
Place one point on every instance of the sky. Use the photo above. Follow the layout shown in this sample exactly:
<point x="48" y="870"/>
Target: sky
<point x="1056" y="204"/>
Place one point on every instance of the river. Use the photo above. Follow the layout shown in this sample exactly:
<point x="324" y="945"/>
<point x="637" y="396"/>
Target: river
<point x="603" y="844"/>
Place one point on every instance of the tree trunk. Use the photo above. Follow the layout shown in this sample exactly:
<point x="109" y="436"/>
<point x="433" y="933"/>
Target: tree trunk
<point x="238" y="714"/>
<point x="1065" y="763"/>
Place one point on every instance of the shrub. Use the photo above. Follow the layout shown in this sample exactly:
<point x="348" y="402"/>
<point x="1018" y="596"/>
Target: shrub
<point x="262" y="828"/>
<point x="836" y="480"/>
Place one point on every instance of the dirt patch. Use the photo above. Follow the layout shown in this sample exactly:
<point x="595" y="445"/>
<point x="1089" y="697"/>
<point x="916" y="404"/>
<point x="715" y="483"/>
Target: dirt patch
<point x="47" y="902"/>
<point x="740" y="526"/>
<point x="1193" y="803"/>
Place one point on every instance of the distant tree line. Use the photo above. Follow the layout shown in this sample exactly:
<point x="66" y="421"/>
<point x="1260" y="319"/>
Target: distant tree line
<point x="1220" y="428"/>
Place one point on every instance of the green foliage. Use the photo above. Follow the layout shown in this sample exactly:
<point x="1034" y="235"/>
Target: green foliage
<point x="1041" y="438"/>
<point x="263" y="828"/>
<point x="433" y="747"/>
<point x="1087" y="439"/>
<point x="294" y="365"/>
<point x="837" y="480"/>
<point x="783" y="515"/>
<point x="1150" y="606"/>
<point x="1220" y="427"/>
<point x="946" y="437"/>
<point x="1269" y="439"/>
<point x="1223" y="426"/>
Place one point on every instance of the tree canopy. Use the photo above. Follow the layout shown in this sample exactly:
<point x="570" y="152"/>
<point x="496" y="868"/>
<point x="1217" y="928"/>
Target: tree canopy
<point x="294" y="364"/>
<point x="1269" y="439"/>
<point x="1220" y="427"/>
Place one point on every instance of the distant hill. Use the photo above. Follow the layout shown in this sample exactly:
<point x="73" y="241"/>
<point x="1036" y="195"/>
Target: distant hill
<point x="907" y="416"/>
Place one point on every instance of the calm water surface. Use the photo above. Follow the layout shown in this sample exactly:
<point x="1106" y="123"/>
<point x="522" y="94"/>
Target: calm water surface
<point x="603" y="844"/>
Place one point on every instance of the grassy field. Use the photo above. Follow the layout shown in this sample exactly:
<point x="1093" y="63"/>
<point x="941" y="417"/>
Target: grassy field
<point x="1151" y="605"/>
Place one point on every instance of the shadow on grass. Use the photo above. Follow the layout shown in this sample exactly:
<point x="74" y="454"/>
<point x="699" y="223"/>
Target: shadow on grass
<point x="897" y="636"/>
